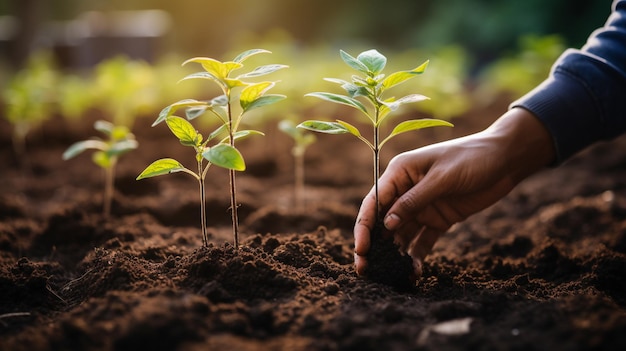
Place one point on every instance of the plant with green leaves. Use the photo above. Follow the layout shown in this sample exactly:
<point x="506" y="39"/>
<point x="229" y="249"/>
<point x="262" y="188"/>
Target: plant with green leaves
<point x="302" y="140"/>
<point x="119" y="141"/>
<point x="29" y="99"/>
<point x="371" y="86"/>
<point x="224" y="154"/>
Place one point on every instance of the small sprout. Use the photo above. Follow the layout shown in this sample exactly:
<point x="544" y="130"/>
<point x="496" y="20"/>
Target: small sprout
<point x="120" y="141"/>
<point x="223" y="153"/>
<point x="302" y="140"/>
<point x="29" y="98"/>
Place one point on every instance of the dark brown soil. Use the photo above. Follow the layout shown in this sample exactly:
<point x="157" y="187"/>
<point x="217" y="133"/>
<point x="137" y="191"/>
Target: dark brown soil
<point x="543" y="269"/>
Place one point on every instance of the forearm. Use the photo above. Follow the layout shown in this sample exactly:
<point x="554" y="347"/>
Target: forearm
<point x="582" y="101"/>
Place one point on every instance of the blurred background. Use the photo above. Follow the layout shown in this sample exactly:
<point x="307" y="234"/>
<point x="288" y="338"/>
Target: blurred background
<point x="67" y="56"/>
<point x="149" y="28"/>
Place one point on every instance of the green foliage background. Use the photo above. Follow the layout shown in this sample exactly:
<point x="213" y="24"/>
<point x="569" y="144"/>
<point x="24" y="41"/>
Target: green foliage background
<point x="486" y="28"/>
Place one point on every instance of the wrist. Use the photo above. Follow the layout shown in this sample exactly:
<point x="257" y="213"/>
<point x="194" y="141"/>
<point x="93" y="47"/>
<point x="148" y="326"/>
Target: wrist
<point x="526" y="144"/>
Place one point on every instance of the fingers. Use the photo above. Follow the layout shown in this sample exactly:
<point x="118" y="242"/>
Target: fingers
<point x="414" y="202"/>
<point x="364" y="225"/>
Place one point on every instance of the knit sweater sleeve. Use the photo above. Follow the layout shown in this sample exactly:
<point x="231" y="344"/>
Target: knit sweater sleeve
<point x="584" y="98"/>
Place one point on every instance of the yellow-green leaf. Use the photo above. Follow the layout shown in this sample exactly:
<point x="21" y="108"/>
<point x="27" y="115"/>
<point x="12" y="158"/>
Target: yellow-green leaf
<point x="416" y="124"/>
<point x="171" y="109"/>
<point x="184" y="131"/>
<point x="400" y="77"/>
<point x="324" y="127"/>
<point x="253" y="92"/>
<point x="160" y="167"/>
<point x="219" y="69"/>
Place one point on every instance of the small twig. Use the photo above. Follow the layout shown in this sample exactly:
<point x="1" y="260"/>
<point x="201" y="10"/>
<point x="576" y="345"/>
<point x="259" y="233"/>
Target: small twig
<point x="49" y="288"/>
<point x="12" y="315"/>
<point x="68" y="285"/>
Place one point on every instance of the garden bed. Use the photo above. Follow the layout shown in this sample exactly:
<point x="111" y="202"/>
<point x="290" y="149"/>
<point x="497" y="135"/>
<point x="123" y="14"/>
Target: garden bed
<point x="542" y="269"/>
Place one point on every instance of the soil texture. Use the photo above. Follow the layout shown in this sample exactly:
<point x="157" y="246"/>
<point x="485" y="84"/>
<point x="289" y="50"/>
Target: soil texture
<point x="543" y="269"/>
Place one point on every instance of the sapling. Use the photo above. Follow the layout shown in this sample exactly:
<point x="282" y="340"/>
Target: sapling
<point x="224" y="153"/>
<point x="120" y="141"/>
<point x="302" y="140"/>
<point x="371" y="86"/>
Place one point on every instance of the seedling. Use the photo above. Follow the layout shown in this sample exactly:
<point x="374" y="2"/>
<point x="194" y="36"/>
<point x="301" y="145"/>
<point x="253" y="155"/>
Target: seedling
<point x="29" y="98"/>
<point x="371" y="86"/>
<point x="302" y="140"/>
<point x="224" y="153"/>
<point x="388" y="265"/>
<point x="120" y="141"/>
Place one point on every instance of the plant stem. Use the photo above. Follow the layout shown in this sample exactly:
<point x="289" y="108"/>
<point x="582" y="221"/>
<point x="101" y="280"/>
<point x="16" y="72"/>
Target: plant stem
<point x="376" y="170"/>
<point x="376" y="150"/>
<point x="299" y="178"/>
<point x="233" y="203"/>
<point x="108" y="188"/>
<point x="233" y="188"/>
<point x="205" y="238"/>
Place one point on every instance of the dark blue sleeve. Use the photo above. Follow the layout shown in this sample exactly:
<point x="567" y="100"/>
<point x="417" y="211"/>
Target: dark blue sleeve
<point x="584" y="98"/>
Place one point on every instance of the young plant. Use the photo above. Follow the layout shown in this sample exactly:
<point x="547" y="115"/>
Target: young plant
<point x="371" y="86"/>
<point x="120" y="141"/>
<point x="29" y="98"/>
<point x="301" y="141"/>
<point x="223" y="154"/>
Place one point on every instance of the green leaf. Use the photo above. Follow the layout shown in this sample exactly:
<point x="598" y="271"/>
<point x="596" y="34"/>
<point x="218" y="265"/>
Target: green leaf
<point x="160" y="167"/>
<point x="226" y="156"/>
<point x="218" y="69"/>
<point x="171" y="109"/>
<point x="244" y="55"/>
<point x="243" y="133"/>
<point x="350" y="128"/>
<point x="221" y="129"/>
<point x="122" y="147"/>
<point x="354" y="131"/>
<point x="324" y="127"/>
<point x="352" y="89"/>
<point x="402" y="76"/>
<point x="233" y="83"/>
<point x="81" y="146"/>
<point x="416" y="124"/>
<point x="121" y="133"/>
<point x="262" y="70"/>
<point x="214" y="105"/>
<point x="184" y="131"/>
<point x="195" y="112"/>
<point x="395" y="104"/>
<point x="340" y="99"/>
<point x="101" y="159"/>
<point x="337" y="81"/>
<point x="204" y="75"/>
<point x="264" y="101"/>
<point x="104" y="127"/>
<point x="352" y="62"/>
<point x="253" y="92"/>
<point x="373" y="60"/>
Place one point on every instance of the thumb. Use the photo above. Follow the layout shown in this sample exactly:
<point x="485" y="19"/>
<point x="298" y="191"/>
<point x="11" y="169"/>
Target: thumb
<point x="409" y="204"/>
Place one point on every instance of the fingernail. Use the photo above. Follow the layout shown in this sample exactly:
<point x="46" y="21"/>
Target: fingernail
<point x="391" y="221"/>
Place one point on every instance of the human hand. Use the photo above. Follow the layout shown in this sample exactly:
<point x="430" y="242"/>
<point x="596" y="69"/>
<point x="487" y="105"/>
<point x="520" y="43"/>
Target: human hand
<point x="427" y="190"/>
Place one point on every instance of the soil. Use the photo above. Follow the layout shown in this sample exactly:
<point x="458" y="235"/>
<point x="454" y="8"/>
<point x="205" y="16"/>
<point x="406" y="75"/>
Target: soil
<point x="543" y="269"/>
